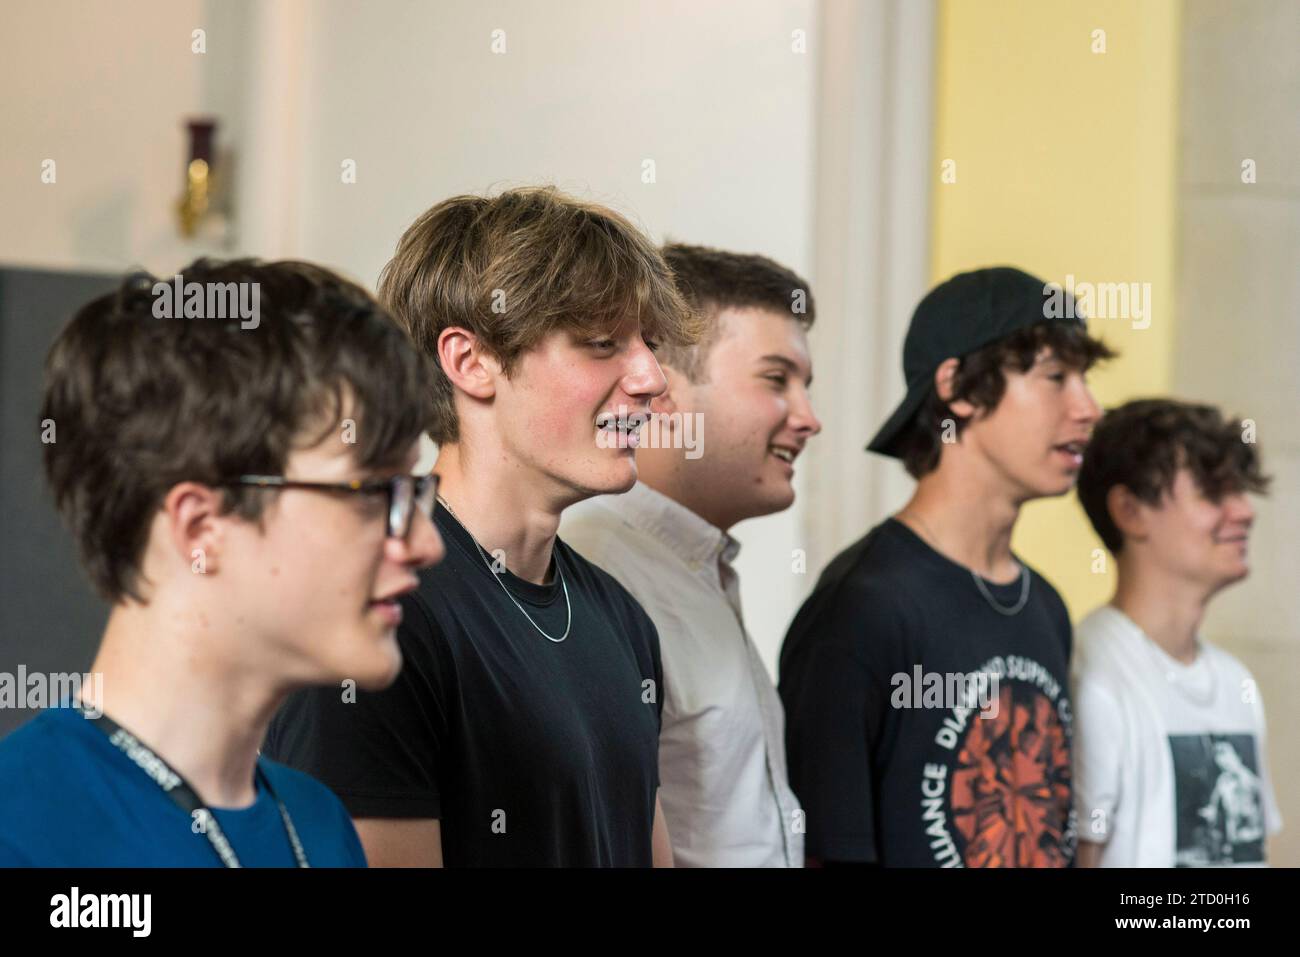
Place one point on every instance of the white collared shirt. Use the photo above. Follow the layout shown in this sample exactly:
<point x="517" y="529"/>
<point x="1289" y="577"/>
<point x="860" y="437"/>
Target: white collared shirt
<point x="723" y="782"/>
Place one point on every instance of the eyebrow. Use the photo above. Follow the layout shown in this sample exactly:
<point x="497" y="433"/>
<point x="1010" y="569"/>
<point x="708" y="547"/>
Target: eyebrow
<point x="788" y="363"/>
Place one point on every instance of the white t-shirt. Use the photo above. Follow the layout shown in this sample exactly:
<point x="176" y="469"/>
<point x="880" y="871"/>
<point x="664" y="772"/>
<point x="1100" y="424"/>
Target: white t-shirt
<point x="1169" y="764"/>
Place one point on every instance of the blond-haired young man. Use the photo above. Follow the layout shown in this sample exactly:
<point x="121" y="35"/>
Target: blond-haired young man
<point x="524" y="727"/>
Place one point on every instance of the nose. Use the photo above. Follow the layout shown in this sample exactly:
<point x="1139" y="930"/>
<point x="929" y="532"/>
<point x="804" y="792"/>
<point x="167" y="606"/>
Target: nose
<point x="1087" y="410"/>
<point x="422" y="545"/>
<point x="1239" y="508"/>
<point x="802" y="417"/>
<point x="642" y="378"/>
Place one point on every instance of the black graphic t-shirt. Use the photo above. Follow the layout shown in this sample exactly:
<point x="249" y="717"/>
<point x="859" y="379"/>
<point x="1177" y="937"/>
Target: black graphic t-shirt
<point x="924" y="727"/>
<point x="529" y="752"/>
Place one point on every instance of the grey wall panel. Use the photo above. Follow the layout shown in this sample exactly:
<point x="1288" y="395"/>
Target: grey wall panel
<point x="50" y="618"/>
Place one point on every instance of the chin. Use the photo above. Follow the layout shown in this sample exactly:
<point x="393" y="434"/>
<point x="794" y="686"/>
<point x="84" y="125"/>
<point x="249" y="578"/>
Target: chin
<point x="608" y="478"/>
<point x="1056" y="488"/>
<point x="779" y="500"/>
<point x="380" y="665"/>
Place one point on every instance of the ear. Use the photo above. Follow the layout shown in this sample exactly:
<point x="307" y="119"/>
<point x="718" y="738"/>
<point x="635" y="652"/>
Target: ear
<point x="466" y="363"/>
<point x="191" y="514"/>
<point x="1128" y="512"/>
<point x="945" y="384"/>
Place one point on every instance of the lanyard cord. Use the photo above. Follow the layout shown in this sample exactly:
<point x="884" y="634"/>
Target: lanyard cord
<point x="179" y="790"/>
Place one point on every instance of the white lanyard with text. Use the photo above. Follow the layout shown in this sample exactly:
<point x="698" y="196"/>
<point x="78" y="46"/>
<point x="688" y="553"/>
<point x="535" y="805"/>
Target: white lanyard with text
<point x="180" y="791"/>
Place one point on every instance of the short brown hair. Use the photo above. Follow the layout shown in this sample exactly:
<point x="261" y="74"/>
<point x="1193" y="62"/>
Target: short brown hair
<point x="515" y="267"/>
<point x="712" y="280"/>
<point x="981" y="380"/>
<point x="1142" y="445"/>
<point x="140" y="403"/>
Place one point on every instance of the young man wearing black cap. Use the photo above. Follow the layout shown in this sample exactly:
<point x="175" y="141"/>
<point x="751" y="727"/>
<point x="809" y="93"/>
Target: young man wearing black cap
<point x="925" y="679"/>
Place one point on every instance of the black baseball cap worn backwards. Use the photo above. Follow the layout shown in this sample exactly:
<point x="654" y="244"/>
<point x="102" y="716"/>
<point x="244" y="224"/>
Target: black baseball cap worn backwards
<point x="968" y="312"/>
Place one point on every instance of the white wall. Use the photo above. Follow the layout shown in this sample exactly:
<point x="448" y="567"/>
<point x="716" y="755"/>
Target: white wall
<point x="741" y="126"/>
<point x="104" y="90"/>
<point x="1239" y="325"/>
<point x="587" y="90"/>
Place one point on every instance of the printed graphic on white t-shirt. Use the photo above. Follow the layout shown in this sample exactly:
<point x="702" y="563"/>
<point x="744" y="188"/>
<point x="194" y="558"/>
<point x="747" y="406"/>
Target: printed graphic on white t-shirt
<point x="1219" y="799"/>
<point x="1170" y="765"/>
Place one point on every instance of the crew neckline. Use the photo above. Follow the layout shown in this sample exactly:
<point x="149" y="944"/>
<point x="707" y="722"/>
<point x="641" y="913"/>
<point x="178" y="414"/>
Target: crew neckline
<point x="1165" y="657"/>
<point x="540" y="596"/>
<point x="939" y="559"/>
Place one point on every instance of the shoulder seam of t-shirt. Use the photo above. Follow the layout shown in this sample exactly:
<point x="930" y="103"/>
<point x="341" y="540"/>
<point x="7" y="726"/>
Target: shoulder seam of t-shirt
<point x="868" y="590"/>
<point x="1097" y="682"/>
<point x="1099" y="664"/>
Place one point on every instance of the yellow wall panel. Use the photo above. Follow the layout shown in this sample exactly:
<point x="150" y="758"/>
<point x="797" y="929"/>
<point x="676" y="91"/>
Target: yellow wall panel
<point x="1064" y="162"/>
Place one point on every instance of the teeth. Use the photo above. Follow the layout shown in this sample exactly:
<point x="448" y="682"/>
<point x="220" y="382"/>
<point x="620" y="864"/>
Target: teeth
<point x="784" y="455"/>
<point x="609" y="422"/>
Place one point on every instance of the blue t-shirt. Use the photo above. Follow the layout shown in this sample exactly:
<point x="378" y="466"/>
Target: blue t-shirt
<point x="69" y="798"/>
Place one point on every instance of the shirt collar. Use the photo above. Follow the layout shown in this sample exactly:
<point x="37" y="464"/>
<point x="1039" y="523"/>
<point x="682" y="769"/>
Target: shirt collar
<point x="693" y="539"/>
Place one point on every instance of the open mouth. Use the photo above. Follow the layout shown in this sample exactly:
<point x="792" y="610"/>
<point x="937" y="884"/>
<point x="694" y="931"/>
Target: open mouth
<point x="389" y="610"/>
<point x="1071" y="450"/>
<point x="784" y="454"/>
<point x="622" y="431"/>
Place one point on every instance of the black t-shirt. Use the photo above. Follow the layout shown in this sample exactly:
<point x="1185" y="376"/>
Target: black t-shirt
<point x="530" y="752"/>
<point x="885" y="781"/>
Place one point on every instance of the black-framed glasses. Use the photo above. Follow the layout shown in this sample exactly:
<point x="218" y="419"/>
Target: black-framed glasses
<point x="405" y="494"/>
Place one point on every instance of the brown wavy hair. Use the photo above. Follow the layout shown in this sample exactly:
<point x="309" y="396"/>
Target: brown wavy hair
<point x="512" y="268"/>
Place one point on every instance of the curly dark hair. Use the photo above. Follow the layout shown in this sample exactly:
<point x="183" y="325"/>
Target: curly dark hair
<point x="981" y="380"/>
<point x="1142" y="445"/>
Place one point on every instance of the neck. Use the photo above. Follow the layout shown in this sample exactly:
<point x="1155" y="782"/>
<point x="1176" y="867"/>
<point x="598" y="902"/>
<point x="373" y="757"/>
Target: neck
<point x="967" y="523"/>
<point x="177" y="689"/>
<point x="502" y="510"/>
<point x="1167" y="609"/>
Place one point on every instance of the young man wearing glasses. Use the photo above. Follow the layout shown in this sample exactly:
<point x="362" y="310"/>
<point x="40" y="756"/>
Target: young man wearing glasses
<point x="925" y="679"/>
<point x="241" y="496"/>
<point x="524" y="728"/>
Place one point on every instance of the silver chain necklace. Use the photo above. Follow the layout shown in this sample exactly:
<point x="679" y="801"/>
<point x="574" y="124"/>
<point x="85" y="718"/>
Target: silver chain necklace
<point x="979" y="582"/>
<point x="483" y="553"/>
